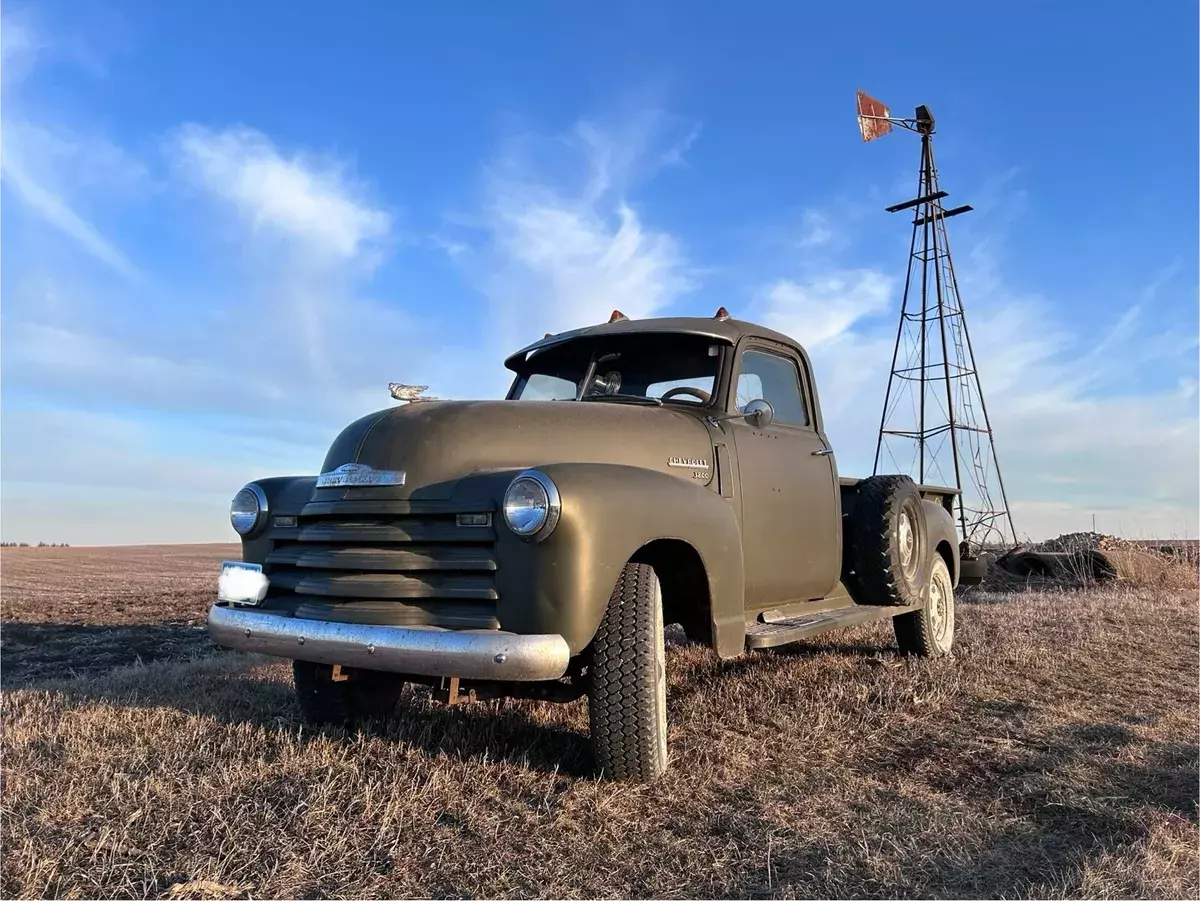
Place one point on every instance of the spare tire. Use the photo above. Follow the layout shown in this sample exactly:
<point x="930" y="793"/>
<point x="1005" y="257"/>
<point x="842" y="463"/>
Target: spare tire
<point x="890" y="550"/>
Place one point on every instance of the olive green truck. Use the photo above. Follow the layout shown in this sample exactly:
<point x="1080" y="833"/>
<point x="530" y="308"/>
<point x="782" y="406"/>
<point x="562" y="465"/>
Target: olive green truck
<point x="639" y="473"/>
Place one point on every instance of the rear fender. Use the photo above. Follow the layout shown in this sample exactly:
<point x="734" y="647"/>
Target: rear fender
<point x="943" y="537"/>
<point x="562" y="584"/>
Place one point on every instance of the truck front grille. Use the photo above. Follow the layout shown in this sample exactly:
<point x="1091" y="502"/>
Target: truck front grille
<point x="387" y="563"/>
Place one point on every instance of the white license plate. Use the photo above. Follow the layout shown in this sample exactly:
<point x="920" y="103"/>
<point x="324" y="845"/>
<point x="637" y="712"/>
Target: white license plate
<point x="242" y="583"/>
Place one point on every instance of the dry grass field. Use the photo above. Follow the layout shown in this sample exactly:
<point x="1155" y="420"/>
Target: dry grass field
<point x="1054" y="756"/>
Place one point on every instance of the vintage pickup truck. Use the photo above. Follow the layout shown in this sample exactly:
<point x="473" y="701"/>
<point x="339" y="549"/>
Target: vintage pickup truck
<point x="639" y="473"/>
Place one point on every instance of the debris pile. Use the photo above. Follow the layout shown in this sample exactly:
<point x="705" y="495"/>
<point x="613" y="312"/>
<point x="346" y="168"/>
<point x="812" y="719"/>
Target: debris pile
<point x="1074" y="542"/>
<point x="1078" y="559"/>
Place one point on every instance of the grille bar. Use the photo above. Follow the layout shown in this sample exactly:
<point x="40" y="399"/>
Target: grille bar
<point x="396" y="531"/>
<point x="384" y="559"/>
<point x="387" y="585"/>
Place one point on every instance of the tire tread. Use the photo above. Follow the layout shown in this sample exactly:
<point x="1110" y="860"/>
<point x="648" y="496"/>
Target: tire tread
<point x="876" y="563"/>
<point x="622" y="700"/>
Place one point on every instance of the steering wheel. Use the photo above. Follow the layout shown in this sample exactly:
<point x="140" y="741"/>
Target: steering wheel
<point x="699" y="393"/>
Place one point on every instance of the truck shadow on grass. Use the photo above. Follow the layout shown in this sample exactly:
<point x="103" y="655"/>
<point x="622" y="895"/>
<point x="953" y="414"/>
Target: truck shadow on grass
<point x="177" y="666"/>
<point x="155" y="666"/>
<point x="36" y="652"/>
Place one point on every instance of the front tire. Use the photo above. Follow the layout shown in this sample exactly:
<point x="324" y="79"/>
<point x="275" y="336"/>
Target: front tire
<point x="627" y="691"/>
<point x="325" y="701"/>
<point x="929" y="632"/>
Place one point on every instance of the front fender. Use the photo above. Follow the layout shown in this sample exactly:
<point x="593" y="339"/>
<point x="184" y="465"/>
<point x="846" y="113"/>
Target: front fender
<point x="562" y="584"/>
<point x="285" y="494"/>
<point x="939" y="525"/>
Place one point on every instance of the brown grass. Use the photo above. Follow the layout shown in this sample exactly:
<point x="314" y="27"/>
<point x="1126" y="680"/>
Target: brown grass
<point x="1147" y="568"/>
<point x="80" y="611"/>
<point x="1054" y="756"/>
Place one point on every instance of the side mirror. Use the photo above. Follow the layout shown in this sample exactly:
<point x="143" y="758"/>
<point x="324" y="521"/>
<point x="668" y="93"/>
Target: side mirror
<point x="759" y="413"/>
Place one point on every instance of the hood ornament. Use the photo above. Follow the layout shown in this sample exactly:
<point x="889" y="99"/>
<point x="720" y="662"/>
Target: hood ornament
<point x="409" y="393"/>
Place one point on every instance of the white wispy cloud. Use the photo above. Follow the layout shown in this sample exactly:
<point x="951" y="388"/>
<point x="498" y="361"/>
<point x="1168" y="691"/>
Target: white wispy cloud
<point x="41" y="166"/>
<point x="46" y="168"/>
<point x="563" y="253"/>
<point x="55" y="210"/>
<point x="816" y="229"/>
<point x="299" y="196"/>
<point x="1060" y="405"/>
<point x="19" y="46"/>
<point x="824" y="308"/>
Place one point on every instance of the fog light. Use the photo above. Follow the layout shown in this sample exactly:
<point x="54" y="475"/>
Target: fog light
<point x="242" y="583"/>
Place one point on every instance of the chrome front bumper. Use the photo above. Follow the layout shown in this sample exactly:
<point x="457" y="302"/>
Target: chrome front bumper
<point x="418" y="650"/>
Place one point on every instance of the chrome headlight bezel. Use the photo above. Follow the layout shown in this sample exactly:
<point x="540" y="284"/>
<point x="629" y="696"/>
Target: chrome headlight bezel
<point x="251" y="526"/>
<point x="541" y="528"/>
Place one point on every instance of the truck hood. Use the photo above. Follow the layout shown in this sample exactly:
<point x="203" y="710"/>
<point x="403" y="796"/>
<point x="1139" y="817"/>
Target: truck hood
<point x="435" y="443"/>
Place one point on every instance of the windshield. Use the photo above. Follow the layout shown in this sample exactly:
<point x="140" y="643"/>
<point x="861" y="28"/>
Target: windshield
<point x="650" y="369"/>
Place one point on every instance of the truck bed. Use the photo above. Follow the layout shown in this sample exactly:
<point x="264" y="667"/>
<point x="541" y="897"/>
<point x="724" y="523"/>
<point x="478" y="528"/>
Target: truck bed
<point x="940" y="494"/>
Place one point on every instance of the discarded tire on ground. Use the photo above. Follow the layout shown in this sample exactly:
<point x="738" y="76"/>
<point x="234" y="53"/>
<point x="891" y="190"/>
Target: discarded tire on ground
<point x="1083" y="565"/>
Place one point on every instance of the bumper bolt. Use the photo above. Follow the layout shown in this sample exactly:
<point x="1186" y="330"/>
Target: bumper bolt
<point x="247" y="633"/>
<point x="300" y="640"/>
<point x="370" y="649"/>
<point x="500" y="658"/>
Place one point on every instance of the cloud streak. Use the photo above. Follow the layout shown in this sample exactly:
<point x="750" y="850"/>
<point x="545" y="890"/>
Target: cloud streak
<point x="55" y="210"/>
<point x="1059" y="404"/>
<point x="561" y="253"/>
<point x="302" y="198"/>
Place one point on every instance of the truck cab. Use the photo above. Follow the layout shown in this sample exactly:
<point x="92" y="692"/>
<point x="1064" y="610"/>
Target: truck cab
<point x="638" y="473"/>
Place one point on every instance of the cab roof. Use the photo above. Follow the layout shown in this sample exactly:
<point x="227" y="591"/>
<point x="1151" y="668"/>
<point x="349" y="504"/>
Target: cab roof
<point x="728" y="331"/>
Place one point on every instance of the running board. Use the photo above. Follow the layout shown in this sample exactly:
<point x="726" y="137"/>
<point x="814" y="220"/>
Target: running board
<point x="785" y="631"/>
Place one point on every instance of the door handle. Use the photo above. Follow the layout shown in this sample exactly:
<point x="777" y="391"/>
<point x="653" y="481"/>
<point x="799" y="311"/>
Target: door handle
<point x="823" y="452"/>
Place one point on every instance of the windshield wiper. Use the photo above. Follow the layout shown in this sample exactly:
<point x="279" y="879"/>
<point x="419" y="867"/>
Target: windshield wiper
<point x="625" y="399"/>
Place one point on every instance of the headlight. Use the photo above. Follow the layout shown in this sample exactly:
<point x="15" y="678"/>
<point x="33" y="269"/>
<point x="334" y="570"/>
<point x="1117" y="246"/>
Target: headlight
<point x="248" y="509"/>
<point x="531" y="505"/>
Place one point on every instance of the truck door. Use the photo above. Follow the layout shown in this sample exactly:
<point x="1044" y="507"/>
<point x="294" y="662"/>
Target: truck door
<point x="791" y="530"/>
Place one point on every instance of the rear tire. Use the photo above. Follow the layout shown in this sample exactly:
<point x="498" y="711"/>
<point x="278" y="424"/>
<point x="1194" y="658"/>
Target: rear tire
<point x="627" y="691"/>
<point x="890" y="543"/>
<point x="929" y="632"/>
<point x="365" y="695"/>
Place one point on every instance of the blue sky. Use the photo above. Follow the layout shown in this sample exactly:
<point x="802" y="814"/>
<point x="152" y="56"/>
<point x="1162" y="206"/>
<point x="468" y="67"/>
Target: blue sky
<point x="226" y="227"/>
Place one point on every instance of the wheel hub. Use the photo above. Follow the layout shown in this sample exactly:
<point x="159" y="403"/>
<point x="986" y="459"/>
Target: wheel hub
<point x="908" y="542"/>
<point x="938" y="608"/>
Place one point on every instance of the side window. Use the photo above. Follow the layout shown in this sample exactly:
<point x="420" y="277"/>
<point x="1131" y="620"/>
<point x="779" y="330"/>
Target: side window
<point x="776" y="380"/>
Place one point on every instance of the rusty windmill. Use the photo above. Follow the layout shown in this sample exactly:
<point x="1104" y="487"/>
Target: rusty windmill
<point x="935" y="423"/>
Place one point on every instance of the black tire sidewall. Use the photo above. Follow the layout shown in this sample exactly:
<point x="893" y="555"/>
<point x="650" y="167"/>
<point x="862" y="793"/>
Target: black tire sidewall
<point x="878" y="576"/>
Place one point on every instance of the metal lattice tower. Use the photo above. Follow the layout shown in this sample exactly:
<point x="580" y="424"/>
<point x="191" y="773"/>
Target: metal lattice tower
<point x="935" y="424"/>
